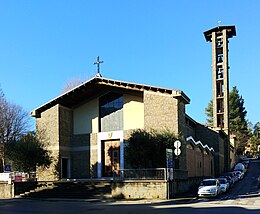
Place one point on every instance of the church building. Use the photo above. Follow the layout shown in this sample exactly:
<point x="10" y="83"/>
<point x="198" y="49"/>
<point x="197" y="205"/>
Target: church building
<point x="85" y="129"/>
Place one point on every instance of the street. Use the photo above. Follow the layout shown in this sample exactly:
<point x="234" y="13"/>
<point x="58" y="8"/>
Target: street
<point x="244" y="197"/>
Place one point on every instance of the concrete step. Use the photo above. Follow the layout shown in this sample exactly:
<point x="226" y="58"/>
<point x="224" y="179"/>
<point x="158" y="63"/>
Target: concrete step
<point x="93" y="190"/>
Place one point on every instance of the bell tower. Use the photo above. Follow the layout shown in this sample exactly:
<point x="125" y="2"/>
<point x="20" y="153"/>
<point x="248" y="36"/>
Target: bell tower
<point x="219" y="36"/>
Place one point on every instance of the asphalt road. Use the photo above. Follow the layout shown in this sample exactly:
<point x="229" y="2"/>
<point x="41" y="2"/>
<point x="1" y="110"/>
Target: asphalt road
<point x="248" y="186"/>
<point x="243" y="198"/>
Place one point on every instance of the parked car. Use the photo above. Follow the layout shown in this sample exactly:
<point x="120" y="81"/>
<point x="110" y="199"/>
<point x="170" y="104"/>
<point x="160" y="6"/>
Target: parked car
<point x="229" y="179"/>
<point x="232" y="176"/>
<point x="240" y="174"/>
<point x="245" y="162"/>
<point x="239" y="167"/>
<point x="224" y="184"/>
<point x="258" y="181"/>
<point x="209" y="188"/>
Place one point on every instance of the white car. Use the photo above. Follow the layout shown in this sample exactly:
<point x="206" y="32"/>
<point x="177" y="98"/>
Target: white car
<point x="209" y="188"/>
<point x="224" y="185"/>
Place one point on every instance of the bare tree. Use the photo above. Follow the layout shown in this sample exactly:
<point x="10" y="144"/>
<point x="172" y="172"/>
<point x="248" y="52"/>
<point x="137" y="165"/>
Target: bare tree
<point x="71" y="84"/>
<point x="14" y="122"/>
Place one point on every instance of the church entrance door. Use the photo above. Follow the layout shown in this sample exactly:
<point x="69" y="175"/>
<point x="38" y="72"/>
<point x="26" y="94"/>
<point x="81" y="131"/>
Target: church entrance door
<point x="110" y="157"/>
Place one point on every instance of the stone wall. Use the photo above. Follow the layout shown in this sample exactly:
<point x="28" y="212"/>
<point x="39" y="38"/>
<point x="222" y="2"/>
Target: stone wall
<point x="65" y="126"/>
<point x="139" y="189"/>
<point x="6" y="190"/>
<point x="80" y="156"/>
<point x="80" y="164"/>
<point x="160" y="112"/>
<point x="181" y="132"/>
<point x="153" y="189"/>
<point x="47" y="127"/>
<point x="93" y="155"/>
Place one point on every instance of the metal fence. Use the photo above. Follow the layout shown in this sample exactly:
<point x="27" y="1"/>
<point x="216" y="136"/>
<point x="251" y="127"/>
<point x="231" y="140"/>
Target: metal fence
<point x="140" y="174"/>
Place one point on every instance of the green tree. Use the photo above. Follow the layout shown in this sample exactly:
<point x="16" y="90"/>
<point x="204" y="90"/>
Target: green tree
<point x="237" y="112"/>
<point x="27" y="153"/>
<point x="209" y="113"/>
<point x="147" y="149"/>
<point x="255" y="138"/>
<point x="256" y="131"/>
<point x="237" y="118"/>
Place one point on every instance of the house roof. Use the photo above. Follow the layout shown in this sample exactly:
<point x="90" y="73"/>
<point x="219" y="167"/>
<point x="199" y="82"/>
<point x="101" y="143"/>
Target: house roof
<point x="231" y="31"/>
<point x="96" y="85"/>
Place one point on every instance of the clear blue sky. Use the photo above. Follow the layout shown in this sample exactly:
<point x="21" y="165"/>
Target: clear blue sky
<point x="45" y="43"/>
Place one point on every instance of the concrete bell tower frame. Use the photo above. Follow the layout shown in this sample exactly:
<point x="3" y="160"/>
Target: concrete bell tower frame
<point x="219" y="36"/>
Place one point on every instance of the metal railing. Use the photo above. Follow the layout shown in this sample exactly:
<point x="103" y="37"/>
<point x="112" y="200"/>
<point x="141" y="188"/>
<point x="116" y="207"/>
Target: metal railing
<point x="140" y="174"/>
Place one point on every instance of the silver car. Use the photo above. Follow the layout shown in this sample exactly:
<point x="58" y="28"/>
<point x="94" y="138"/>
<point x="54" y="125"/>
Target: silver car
<point x="224" y="185"/>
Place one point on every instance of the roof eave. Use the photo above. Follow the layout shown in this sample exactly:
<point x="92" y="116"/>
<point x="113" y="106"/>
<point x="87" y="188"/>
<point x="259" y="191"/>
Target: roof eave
<point x="108" y="82"/>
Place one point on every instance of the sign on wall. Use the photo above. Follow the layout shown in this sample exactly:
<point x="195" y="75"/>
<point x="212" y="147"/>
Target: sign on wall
<point x="8" y="168"/>
<point x="177" y="145"/>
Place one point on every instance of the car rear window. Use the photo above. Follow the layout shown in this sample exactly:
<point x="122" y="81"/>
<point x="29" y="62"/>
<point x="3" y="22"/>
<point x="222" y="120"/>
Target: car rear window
<point x="208" y="183"/>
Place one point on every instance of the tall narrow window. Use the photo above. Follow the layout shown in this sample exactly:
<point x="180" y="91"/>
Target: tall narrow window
<point x="111" y="112"/>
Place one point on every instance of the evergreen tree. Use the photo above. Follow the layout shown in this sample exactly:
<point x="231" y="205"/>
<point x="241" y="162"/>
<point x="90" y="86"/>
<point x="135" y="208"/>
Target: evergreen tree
<point x="255" y="138"/>
<point x="209" y="113"/>
<point x="237" y="118"/>
<point x="27" y="153"/>
<point x="256" y="131"/>
<point x="237" y="112"/>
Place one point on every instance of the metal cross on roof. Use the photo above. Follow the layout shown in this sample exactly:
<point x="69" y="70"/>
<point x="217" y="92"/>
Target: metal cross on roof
<point x="98" y="62"/>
